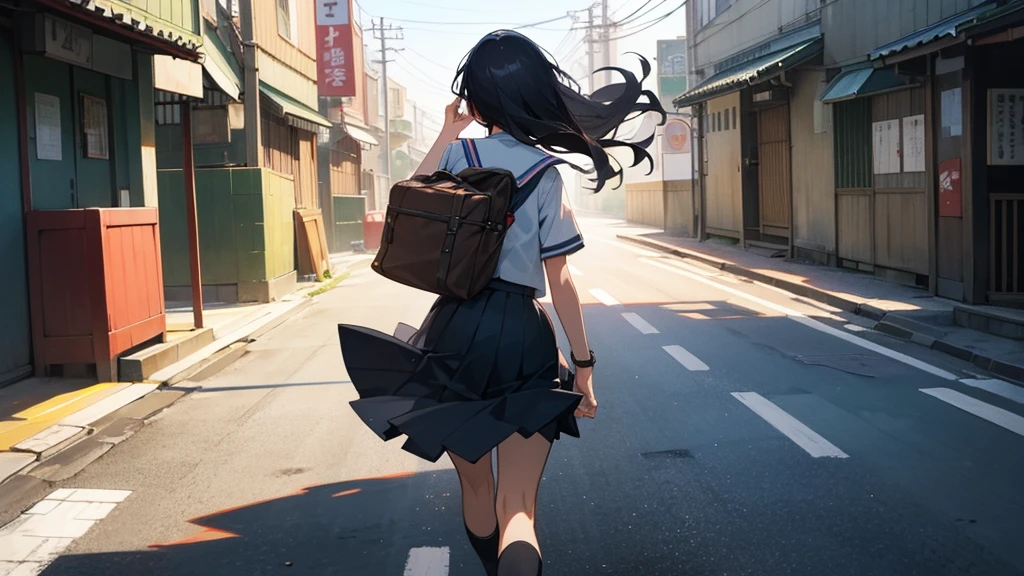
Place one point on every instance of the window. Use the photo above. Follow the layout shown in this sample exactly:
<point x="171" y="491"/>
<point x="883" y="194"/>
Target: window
<point x="726" y="119"/>
<point x="735" y="120"/>
<point x="706" y="10"/>
<point x="285" y="21"/>
<point x="719" y="120"/>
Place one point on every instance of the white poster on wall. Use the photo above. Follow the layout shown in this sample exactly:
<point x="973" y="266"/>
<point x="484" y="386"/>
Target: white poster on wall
<point x="48" y="135"/>
<point x="913" y="143"/>
<point x="885" y="138"/>
<point x="952" y="113"/>
<point x="1006" y="128"/>
<point x="677" y="166"/>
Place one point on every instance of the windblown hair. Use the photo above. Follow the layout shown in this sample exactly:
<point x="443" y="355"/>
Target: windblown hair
<point x="509" y="82"/>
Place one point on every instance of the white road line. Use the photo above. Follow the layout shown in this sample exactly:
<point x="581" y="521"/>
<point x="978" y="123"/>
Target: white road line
<point x="629" y="248"/>
<point x="36" y="538"/>
<point x="855" y="328"/>
<point x="998" y="387"/>
<point x="427" y="562"/>
<point x="683" y="356"/>
<point x="639" y="323"/>
<point x="811" y="323"/>
<point x="995" y="415"/>
<point x="794" y="429"/>
<point x="575" y="271"/>
<point x="604" y="297"/>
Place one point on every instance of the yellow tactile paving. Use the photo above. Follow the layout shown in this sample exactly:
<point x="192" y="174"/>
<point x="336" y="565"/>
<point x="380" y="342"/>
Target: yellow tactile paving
<point x="35" y="419"/>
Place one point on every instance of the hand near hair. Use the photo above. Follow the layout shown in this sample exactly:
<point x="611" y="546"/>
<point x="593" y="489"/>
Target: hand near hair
<point x="455" y="121"/>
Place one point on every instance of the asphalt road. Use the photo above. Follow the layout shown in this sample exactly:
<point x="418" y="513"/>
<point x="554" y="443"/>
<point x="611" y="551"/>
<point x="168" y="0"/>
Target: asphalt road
<point x="741" y="431"/>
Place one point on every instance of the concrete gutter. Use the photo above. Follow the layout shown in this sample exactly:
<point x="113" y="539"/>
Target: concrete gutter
<point x="892" y="323"/>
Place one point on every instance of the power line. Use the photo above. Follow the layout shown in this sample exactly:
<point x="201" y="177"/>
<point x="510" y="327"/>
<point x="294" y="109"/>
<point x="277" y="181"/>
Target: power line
<point x="652" y="23"/>
<point x="442" y="66"/>
<point x="642" y="6"/>
<point x="634" y="24"/>
<point x="443" y="23"/>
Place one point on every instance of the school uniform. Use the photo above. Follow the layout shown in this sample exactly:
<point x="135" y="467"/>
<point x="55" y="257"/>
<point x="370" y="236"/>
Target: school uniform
<point x="478" y="370"/>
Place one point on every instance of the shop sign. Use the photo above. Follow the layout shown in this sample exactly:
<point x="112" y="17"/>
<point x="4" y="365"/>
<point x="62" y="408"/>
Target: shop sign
<point x="68" y="42"/>
<point x="336" y="75"/>
<point x="950" y="203"/>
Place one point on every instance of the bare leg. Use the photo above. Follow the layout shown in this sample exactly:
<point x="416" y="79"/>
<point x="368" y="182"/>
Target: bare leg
<point x="521" y="462"/>
<point x="477" y="482"/>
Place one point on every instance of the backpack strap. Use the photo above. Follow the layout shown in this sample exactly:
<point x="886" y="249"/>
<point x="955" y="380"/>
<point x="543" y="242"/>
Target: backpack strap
<point x="472" y="155"/>
<point x="530" y="179"/>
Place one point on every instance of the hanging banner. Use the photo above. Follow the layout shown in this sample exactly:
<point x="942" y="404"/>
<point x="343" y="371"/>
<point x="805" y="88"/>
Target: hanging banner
<point x="950" y="201"/>
<point x="677" y="137"/>
<point x="336" y="74"/>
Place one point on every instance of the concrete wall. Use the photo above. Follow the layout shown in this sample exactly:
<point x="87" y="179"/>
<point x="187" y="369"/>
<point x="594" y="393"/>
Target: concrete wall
<point x="813" y="165"/>
<point x="856" y="27"/>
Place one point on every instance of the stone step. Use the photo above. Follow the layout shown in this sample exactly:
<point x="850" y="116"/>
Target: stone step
<point x="143" y="364"/>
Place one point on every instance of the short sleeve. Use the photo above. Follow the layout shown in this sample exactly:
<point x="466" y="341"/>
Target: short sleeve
<point x="454" y="158"/>
<point x="559" y="234"/>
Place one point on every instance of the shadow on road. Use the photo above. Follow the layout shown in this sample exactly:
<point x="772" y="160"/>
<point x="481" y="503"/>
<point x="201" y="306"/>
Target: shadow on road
<point x="360" y="527"/>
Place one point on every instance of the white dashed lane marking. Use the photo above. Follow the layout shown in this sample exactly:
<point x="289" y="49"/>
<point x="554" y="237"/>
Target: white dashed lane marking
<point x="683" y="356"/>
<point x="33" y="540"/>
<point x="427" y="562"/>
<point x="812" y="443"/>
<point x="604" y="297"/>
<point x="639" y="323"/>
<point x="575" y="271"/>
<point x="811" y="323"/>
<point x="993" y="414"/>
<point x="997" y="387"/>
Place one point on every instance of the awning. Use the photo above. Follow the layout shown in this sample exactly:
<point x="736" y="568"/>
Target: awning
<point x="135" y="22"/>
<point x="856" y="82"/>
<point x="308" y="119"/>
<point x="996" y="18"/>
<point x="751" y="72"/>
<point x="944" y="29"/>
<point x="361" y="135"/>
<point x="220" y="64"/>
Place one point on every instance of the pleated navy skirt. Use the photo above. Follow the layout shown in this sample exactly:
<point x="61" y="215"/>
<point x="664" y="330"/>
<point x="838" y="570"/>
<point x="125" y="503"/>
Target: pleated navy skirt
<point x="476" y="372"/>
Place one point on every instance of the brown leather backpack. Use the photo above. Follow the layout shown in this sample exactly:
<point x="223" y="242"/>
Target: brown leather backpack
<point x="443" y="232"/>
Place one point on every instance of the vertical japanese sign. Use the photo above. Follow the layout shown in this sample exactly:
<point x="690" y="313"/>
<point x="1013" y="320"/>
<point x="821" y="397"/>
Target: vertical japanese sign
<point x="1006" y="128"/>
<point x="336" y="74"/>
<point x="671" y="70"/>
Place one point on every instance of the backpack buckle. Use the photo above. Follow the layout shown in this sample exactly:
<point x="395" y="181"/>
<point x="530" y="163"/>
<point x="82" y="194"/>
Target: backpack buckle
<point x="510" y="219"/>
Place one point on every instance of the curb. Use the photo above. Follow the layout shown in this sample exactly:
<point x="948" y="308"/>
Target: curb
<point x="886" y="322"/>
<point x="63" y="451"/>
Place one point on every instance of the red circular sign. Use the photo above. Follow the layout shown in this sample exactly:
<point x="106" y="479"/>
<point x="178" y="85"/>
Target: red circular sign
<point x="677" y="137"/>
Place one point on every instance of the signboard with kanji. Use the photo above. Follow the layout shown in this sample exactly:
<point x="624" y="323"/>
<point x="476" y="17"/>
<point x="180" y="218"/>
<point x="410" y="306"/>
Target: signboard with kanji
<point x="336" y="75"/>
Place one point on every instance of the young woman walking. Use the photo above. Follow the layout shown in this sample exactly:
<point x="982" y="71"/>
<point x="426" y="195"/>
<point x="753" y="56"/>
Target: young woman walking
<point x="490" y="374"/>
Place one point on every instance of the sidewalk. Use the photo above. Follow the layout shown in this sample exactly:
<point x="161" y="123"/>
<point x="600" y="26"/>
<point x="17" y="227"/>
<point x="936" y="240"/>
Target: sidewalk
<point x="43" y="417"/>
<point x="901" y="311"/>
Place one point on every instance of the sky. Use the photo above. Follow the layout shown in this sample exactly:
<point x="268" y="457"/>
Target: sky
<point x="438" y="34"/>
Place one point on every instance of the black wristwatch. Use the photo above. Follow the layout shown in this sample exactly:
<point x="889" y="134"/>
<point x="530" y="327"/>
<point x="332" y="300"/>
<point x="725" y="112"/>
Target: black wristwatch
<point x="589" y="363"/>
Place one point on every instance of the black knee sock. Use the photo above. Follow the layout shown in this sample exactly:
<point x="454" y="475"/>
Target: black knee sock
<point x="520" y="559"/>
<point x="487" y="549"/>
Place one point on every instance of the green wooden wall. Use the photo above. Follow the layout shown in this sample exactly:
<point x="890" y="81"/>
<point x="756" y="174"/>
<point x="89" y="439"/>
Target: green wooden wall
<point x="245" y="225"/>
<point x="95" y="181"/>
<point x="15" y="338"/>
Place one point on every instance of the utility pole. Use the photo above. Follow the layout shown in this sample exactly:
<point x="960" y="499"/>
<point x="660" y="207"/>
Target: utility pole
<point x="253" y="138"/>
<point x="605" y="48"/>
<point x="383" y="37"/>
<point x="590" y="48"/>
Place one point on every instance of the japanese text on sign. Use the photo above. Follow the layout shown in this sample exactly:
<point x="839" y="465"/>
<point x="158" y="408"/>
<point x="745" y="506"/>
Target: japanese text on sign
<point x="1006" y="127"/>
<point x="335" y="76"/>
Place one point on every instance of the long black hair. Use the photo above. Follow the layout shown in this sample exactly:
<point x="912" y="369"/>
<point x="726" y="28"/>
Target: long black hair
<point x="509" y="82"/>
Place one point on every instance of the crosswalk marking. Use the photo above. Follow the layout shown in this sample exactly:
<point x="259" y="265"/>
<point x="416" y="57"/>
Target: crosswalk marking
<point x="998" y="387"/>
<point x="813" y="443"/>
<point x="604" y="297"/>
<point x="683" y="356"/>
<point x="995" y="415"/>
<point x="427" y="562"/>
<point x="33" y="540"/>
<point x="639" y="323"/>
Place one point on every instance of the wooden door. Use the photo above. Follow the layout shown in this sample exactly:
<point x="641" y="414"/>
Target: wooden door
<point x="774" y="181"/>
